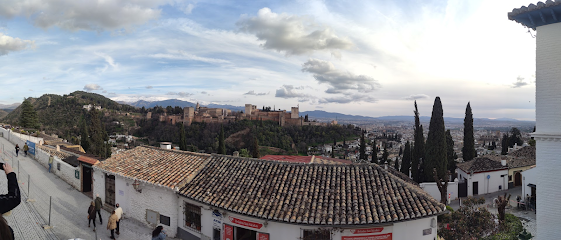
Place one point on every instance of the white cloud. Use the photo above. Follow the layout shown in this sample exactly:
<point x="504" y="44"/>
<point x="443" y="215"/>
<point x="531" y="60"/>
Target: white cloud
<point x="181" y="94"/>
<point x="295" y="35"/>
<point x="92" y="87"/>
<point x="189" y="8"/>
<point x="416" y="97"/>
<point x="339" y="81"/>
<point x="108" y="59"/>
<point x="519" y="82"/>
<point x="182" y="55"/>
<point x="149" y="87"/>
<point x="10" y="44"/>
<point x="252" y="92"/>
<point x="348" y="99"/>
<point x="83" y="15"/>
<point x="288" y="91"/>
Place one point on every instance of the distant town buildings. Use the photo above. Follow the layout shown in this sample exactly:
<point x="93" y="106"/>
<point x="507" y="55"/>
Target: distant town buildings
<point x="90" y="107"/>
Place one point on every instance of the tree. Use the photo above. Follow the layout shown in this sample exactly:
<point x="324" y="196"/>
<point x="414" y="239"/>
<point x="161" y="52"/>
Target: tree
<point x="182" y="138"/>
<point x="515" y="137"/>
<point x="470" y="221"/>
<point x="501" y="203"/>
<point x="84" y="136"/>
<point x="468" y="151"/>
<point x="255" y="149"/>
<point x="450" y="154"/>
<point x="333" y="148"/>
<point x="435" y="153"/>
<point x="442" y="184"/>
<point x="244" y="153"/>
<point x="362" y="150"/>
<point x="400" y="151"/>
<point x="406" y="160"/>
<point x="221" y="145"/>
<point x="28" y="117"/>
<point x="418" y="148"/>
<point x="396" y="164"/>
<point x="385" y="155"/>
<point x="504" y="144"/>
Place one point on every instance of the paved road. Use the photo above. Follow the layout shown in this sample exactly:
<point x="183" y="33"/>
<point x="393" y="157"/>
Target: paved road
<point x="69" y="206"/>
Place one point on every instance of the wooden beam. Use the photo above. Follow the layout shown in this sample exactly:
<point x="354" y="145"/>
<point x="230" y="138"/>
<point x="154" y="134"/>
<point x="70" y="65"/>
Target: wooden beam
<point x="541" y="16"/>
<point x="553" y="14"/>
<point x="531" y="20"/>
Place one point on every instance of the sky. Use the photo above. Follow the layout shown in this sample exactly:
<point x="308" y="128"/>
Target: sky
<point x="370" y="58"/>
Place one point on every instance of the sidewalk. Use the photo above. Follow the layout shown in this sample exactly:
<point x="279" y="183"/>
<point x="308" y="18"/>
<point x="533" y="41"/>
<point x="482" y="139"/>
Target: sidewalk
<point x="69" y="206"/>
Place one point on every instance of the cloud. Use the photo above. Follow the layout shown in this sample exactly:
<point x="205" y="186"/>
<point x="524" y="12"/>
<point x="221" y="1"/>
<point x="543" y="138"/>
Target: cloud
<point x="182" y="55"/>
<point x="104" y="91"/>
<point x="83" y="15"/>
<point x="348" y="99"/>
<point x="108" y="59"/>
<point x="288" y="91"/>
<point x="252" y="92"/>
<point x="149" y="87"/>
<point x="295" y="35"/>
<point x="10" y="44"/>
<point x="337" y="80"/>
<point x="204" y="92"/>
<point x="519" y="83"/>
<point x="416" y="97"/>
<point x="181" y="94"/>
<point x="92" y="87"/>
<point x="189" y="8"/>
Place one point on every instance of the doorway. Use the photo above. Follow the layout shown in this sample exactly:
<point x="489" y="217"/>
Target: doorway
<point x="86" y="178"/>
<point x="475" y="188"/>
<point x="110" y="190"/>
<point x="517" y="179"/>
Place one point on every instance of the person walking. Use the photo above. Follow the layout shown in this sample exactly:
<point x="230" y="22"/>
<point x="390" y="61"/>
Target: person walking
<point x="17" y="150"/>
<point x="119" y="212"/>
<point x="112" y="224"/>
<point x="8" y="201"/>
<point x="91" y="214"/>
<point x="51" y="158"/>
<point x="98" y="205"/>
<point x="25" y="149"/>
<point x="158" y="233"/>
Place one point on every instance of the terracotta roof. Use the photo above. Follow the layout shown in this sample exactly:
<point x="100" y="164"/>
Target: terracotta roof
<point x="401" y="176"/>
<point x="169" y="168"/>
<point x="328" y="160"/>
<point x="88" y="160"/>
<point x="538" y="14"/>
<point x="481" y="164"/>
<point x="287" y="158"/>
<point x="314" y="194"/>
<point x="48" y="150"/>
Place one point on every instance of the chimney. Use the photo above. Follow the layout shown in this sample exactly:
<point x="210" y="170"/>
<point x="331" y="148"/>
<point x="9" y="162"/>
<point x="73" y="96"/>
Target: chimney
<point x="236" y="154"/>
<point x="503" y="162"/>
<point x="57" y="148"/>
<point x="165" y="145"/>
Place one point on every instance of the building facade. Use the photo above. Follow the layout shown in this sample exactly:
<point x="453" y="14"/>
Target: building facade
<point x="483" y="175"/>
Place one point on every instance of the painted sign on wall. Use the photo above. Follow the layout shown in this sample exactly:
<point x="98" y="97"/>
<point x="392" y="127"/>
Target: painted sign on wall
<point x="228" y="232"/>
<point x="262" y="236"/>
<point x="387" y="236"/>
<point x="245" y="223"/>
<point x="367" y="230"/>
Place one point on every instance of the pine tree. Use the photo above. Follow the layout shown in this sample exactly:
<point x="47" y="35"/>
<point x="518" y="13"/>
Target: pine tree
<point x="255" y="150"/>
<point x="418" y="148"/>
<point x="221" y="145"/>
<point x="362" y="148"/>
<point x="182" y="138"/>
<point x="28" y="117"/>
<point x="468" y="151"/>
<point x="435" y="153"/>
<point x="406" y="160"/>
<point x="84" y="136"/>
<point x="450" y="154"/>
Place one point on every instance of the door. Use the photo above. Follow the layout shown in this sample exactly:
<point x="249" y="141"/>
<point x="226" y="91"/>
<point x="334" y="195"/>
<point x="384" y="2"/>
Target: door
<point x="110" y="190"/>
<point x="86" y="178"/>
<point x="475" y="188"/>
<point x="463" y="189"/>
<point x="517" y="179"/>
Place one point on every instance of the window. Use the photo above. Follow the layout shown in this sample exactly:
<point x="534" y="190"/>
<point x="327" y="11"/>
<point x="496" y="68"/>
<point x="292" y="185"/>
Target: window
<point x="165" y="220"/>
<point x="509" y="177"/>
<point x="58" y="166"/>
<point x="193" y="216"/>
<point x="316" y="234"/>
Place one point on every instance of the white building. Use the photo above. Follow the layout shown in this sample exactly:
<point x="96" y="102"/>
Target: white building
<point x="203" y="196"/>
<point x="529" y="178"/>
<point x="483" y="175"/>
<point x="545" y="19"/>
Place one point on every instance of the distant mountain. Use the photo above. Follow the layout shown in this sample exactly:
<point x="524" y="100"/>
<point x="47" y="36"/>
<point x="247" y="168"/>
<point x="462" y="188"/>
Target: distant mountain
<point x="3" y="113"/>
<point x="9" y="106"/>
<point x="318" y="114"/>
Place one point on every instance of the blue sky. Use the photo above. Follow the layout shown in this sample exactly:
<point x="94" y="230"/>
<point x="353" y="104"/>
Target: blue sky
<point x="369" y="58"/>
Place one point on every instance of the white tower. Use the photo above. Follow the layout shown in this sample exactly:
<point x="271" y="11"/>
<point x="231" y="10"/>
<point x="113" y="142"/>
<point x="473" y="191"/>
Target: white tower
<point x="545" y="19"/>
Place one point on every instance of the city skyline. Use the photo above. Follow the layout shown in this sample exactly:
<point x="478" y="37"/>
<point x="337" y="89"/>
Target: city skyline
<point x="369" y="58"/>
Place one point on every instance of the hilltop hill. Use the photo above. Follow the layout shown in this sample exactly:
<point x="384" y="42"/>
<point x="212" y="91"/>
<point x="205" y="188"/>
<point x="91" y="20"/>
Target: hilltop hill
<point x="3" y="113"/>
<point x="61" y="114"/>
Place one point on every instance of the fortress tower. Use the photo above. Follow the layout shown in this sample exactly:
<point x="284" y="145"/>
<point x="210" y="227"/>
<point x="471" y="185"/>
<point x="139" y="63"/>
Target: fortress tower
<point x="294" y="112"/>
<point x="188" y="115"/>
<point x="545" y="19"/>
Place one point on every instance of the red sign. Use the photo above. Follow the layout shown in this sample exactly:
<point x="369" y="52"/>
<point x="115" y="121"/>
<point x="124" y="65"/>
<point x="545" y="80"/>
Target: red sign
<point x="262" y="236"/>
<point x="367" y="230"/>
<point x="228" y="232"/>
<point x="246" y="223"/>
<point x="387" y="236"/>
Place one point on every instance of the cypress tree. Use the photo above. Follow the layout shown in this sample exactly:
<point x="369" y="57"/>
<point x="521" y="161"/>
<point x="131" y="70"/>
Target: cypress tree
<point x="362" y="148"/>
<point x="450" y="154"/>
<point x="418" y="148"/>
<point x="468" y="151"/>
<point x="504" y="144"/>
<point x="435" y="153"/>
<point x="396" y="164"/>
<point x="182" y="138"/>
<point x="97" y="133"/>
<point x="84" y="136"/>
<point x="333" y="148"/>
<point x="406" y="160"/>
<point x="221" y="145"/>
<point x="385" y="156"/>
<point x="28" y="117"/>
<point x="255" y="150"/>
<point x="400" y="151"/>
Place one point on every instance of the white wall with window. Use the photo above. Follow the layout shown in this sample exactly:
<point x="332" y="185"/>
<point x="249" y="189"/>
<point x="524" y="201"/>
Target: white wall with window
<point x="497" y="181"/>
<point x="218" y="224"/>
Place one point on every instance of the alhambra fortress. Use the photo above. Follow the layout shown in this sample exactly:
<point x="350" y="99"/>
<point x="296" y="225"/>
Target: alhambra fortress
<point x="222" y="115"/>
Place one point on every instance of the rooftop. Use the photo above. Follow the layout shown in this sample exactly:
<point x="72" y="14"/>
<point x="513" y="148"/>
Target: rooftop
<point x="481" y="164"/>
<point x="536" y="15"/>
<point x="305" y="159"/>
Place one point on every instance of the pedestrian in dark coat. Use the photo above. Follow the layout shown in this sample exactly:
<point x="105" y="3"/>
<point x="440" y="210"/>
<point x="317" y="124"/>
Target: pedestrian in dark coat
<point x="9" y="201"/>
<point x="25" y="149"/>
<point x="98" y="205"/>
<point x="17" y="150"/>
<point x="91" y="214"/>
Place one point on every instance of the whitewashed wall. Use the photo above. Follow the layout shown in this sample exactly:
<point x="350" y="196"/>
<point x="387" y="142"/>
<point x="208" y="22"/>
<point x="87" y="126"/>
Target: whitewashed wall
<point x="486" y="185"/>
<point x="432" y="189"/>
<point x="528" y="176"/>
<point x="67" y="171"/>
<point x="400" y="231"/>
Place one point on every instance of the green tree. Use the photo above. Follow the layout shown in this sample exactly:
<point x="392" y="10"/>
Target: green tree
<point x="385" y="155"/>
<point x="396" y="164"/>
<point x="84" y="135"/>
<point x="244" y="153"/>
<point x="333" y="148"/>
<point x="515" y="137"/>
<point x="255" y="149"/>
<point x="98" y="135"/>
<point x="28" y="117"/>
<point x="182" y="138"/>
<point x="468" y="151"/>
<point x="504" y="144"/>
<point x="418" y="148"/>
<point x="450" y="154"/>
<point x="435" y="153"/>
<point x="362" y="150"/>
<point x="221" y="146"/>
<point x="470" y="221"/>
<point x="406" y="160"/>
